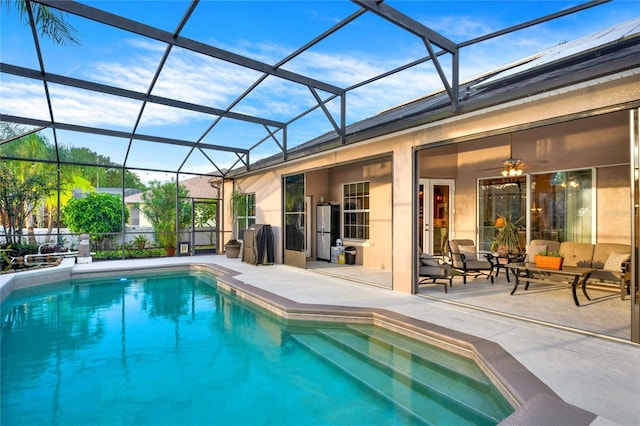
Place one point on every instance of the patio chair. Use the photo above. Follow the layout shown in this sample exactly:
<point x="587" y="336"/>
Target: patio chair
<point x="433" y="269"/>
<point x="465" y="259"/>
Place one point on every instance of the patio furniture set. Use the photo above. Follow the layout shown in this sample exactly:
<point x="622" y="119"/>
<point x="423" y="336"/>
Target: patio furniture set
<point x="584" y="264"/>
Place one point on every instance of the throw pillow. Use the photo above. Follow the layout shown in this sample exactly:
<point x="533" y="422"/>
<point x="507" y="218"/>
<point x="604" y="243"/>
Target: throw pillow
<point x="614" y="261"/>
<point x="532" y="250"/>
<point x="470" y="252"/>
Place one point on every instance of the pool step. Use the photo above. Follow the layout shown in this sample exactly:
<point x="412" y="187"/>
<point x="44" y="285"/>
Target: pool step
<point x="440" y="358"/>
<point x="422" y="400"/>
<point x="475" y="390"/>
<point x="458" y="378"/>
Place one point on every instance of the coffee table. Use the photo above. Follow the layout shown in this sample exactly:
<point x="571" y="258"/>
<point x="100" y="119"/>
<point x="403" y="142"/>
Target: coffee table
<point x="533" y="274"/>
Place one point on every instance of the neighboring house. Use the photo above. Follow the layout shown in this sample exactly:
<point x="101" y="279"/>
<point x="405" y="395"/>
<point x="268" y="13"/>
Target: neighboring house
<point x="199" y="187"/>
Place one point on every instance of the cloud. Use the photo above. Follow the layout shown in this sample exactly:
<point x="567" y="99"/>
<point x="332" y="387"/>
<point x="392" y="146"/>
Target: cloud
<point x="458" y="28"/>
<point x="85" y="108"/>
<point x="20" y="95"/>
<point x="203" y="80"/>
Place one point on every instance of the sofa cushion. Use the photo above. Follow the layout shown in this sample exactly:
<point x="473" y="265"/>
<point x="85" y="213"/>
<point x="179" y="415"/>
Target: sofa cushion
<point x="443" y="271"/>
<point x="552" y="245"/>
<point x="470" y="252"/>
<point x="602" y="275"/>
<point x="428" y="260"/>
<point x="532" y="250"/>
<point x="603" y="250"/>
<point x="478" y="264"/>
<point x="456" y="244"/>
<point x="576" y="254"/>
<point x="615" y="260"/>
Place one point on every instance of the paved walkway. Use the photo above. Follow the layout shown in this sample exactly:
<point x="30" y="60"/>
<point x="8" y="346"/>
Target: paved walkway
<point x="597" y="374"/>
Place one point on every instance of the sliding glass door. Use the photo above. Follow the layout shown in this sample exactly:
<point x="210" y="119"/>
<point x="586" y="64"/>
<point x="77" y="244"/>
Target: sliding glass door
<point x="294" y="221"/>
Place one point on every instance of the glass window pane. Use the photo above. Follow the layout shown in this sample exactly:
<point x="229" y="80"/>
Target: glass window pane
<point x="505" y="197"/>
<point x="294" y="212"/>
<point x="562" y="206"/>
<point x="355" y="210"/>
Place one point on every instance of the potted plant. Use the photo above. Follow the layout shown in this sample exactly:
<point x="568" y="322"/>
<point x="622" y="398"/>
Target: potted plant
<point x="232" y="247"/>
<point x="549" y="259"/>
<point x="506" y="240"/>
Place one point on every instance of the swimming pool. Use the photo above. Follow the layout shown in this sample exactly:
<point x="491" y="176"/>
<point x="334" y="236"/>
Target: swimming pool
<point x="171" y="349"/>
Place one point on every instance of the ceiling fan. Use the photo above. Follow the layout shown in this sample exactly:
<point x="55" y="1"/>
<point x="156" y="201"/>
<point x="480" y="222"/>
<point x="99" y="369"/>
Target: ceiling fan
<point x="511" y="167"/>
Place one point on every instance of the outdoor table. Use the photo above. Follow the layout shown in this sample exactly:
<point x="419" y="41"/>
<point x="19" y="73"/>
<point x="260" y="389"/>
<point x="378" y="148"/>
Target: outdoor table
<point x="502" y="262"/>
<point x="536" y="274"/>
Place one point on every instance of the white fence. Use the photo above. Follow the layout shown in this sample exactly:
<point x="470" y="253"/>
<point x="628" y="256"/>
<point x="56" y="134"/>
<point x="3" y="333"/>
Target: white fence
<point x="71" y="241"/>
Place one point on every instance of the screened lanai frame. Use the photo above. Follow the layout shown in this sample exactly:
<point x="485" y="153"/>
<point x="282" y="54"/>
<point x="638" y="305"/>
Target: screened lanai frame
<point x="227" y="160"/>
<point x="236" y="158"/>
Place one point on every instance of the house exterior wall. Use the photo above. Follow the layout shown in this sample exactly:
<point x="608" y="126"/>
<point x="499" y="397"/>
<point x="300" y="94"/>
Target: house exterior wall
<point x="600" y="142"/>
<point x="375" y="251"/>
<point x="578" y="145"/>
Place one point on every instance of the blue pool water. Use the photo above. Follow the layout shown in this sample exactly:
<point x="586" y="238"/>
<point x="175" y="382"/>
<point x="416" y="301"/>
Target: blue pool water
<point x="171" y="350"/>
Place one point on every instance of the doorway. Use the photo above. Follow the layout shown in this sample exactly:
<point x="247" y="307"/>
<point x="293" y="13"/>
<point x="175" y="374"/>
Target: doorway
<point x="435" y="215"/>
<point x="204" y="225"/>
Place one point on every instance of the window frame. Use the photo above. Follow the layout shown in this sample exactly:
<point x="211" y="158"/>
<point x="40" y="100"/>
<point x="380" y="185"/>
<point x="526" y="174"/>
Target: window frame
<point x="565" y="226"/>
<point x="246" y="213"/>
<point x="361" y="200"/>
<point x="294" y="214"/>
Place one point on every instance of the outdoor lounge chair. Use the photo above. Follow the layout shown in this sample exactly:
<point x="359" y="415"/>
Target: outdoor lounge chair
<point x="432" y="269"/>
<point x="465" y="259"/>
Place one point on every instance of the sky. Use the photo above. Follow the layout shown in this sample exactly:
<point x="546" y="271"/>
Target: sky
<point x="266" y="31"/>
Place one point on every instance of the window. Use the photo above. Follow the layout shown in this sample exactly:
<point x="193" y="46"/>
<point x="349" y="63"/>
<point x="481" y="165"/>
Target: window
<point x="294" y="214"/>
<point x="355" y="201"/>
<point x="246" y="213"/>
<point x="134" y="215"/>
<point x="562" y="206"/>
<point x="505" y="197"/>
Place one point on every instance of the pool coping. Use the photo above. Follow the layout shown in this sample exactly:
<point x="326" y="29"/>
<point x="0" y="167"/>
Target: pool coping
<point x="534" y="402"/>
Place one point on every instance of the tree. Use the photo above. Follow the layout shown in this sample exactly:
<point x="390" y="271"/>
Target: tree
<point x="73" y="177"/>
<point x="18" y="198"/>
<point x="96" y="214"/>
<point x="160" y="208"/>
<point x="51" y="22"/>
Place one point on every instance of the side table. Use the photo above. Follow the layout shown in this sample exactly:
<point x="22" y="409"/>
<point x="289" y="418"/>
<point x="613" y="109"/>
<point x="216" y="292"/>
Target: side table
<point x="502" y="262"/>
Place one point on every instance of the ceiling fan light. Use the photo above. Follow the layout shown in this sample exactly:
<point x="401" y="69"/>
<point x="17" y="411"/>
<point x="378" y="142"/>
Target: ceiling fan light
<point x="505" y="172"/>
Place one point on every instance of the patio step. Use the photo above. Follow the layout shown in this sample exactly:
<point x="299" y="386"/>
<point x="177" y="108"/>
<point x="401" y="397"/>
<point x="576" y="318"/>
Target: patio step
<point x="402" y="379"/>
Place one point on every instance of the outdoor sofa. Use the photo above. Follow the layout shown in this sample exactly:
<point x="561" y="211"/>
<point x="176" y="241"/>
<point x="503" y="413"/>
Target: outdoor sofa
<point x="610" y="260"/>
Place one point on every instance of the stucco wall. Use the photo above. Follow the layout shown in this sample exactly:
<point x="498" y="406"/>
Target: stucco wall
<point x="375" y="251"/>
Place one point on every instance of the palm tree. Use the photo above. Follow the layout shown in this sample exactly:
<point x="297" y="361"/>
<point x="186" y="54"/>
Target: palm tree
<point x="51" y="22"/>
